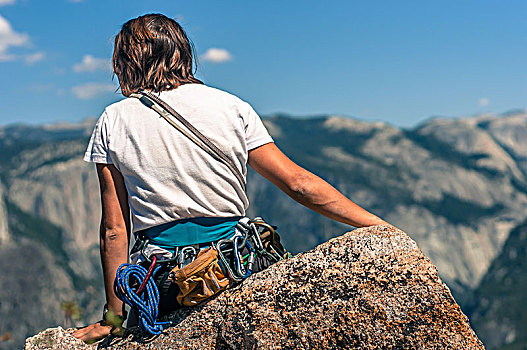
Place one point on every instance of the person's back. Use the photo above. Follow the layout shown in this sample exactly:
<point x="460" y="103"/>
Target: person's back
<point x="167" y="176"/>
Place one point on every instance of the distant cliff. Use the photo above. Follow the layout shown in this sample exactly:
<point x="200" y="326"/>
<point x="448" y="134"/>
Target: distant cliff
<point x="499" y="311"/>
<point x="371" y="288"/>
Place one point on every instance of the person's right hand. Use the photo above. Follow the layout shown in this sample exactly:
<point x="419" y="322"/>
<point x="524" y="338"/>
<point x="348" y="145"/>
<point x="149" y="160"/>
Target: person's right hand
<point x="94" y="332"/>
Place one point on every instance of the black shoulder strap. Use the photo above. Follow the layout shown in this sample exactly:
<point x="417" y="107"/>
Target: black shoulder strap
<point x="164" y="110"/>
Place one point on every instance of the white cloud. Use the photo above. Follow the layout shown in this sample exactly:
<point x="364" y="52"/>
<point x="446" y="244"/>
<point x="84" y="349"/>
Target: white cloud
<point x="29" y="59"/>
<point x="91" y="90"/>
<point x="217" y="55"/>
<point x="34" y="57"/>
<point x="41" y="87"/>
<point x="484" y="101"/>
<point x="6" y="2"/>
<point x="4" y="57"/>
<point x="9" y="38"/>
<point x="58" y="70"/>
<point x="91" y="64"/>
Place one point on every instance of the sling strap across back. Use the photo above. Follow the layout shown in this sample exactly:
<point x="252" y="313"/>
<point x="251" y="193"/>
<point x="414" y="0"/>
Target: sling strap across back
<point x="164" y="110"/>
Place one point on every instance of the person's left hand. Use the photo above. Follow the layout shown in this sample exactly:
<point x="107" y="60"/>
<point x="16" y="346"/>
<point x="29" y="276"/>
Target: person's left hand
<point x="94" y="332"/>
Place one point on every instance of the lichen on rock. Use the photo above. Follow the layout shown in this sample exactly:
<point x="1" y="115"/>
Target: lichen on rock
<point x="371" y="288"/>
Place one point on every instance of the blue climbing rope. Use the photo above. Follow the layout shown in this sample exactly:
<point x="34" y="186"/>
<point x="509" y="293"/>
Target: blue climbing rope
<point x="145" y="304"/>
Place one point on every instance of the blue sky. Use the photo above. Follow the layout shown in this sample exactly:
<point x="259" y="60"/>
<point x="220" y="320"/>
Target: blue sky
<point x="395" y="61"/>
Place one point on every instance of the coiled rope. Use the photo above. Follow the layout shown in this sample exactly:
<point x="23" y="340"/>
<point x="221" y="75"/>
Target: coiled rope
<point x="146" y="304"/>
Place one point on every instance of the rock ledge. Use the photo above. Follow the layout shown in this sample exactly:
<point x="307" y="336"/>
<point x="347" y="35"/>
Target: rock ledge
<point x="371" y="288"/>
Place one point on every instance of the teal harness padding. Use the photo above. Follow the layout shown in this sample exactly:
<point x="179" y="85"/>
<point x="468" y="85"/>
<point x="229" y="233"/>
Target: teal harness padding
<point x="191" y="231"/>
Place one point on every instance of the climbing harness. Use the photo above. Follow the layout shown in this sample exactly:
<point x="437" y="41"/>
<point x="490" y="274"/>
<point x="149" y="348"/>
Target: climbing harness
<point x="200" y="271"/>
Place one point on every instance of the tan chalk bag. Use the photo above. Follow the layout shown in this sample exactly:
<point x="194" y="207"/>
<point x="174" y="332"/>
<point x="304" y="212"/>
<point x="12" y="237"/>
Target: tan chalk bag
<point x="200" y="279"/>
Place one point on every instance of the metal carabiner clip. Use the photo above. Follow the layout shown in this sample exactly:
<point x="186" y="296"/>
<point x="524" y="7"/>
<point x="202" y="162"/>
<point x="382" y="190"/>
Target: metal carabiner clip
<point x="186" y="255"/>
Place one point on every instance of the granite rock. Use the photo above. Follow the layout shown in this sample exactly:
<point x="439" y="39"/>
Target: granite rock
<point x="371" y="288"/>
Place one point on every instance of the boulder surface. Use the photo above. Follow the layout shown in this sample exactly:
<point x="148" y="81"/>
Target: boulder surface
<point x="371" y="288"/>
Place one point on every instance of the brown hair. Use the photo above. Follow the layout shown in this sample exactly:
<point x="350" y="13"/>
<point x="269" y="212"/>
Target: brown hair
<point x="153" y="52"/>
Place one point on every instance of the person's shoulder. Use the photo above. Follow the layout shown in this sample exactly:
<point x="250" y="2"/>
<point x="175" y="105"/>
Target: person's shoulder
<point x="213" y="92"/>
<point x="123" y="104"/>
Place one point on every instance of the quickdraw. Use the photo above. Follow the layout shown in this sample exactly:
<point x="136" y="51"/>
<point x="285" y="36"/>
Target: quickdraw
<point x="250" y="237"/>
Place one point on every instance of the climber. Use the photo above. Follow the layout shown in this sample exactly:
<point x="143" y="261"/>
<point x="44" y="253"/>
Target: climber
<point x="155" y="181"/>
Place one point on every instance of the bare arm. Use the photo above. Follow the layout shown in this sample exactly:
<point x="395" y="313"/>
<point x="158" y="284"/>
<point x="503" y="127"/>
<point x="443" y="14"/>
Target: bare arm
<point x="114" y="230"/>
<point x="308" y="189"/>
<point x="114" y="240"/>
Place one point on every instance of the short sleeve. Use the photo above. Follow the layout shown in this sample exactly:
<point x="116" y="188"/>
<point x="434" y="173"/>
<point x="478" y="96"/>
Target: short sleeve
<point x="256" y="134"/>
<point x="98" y="150"/>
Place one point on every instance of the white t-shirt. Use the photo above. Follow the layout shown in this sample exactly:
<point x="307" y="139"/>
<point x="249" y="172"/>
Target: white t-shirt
<point x="167" y="176"/>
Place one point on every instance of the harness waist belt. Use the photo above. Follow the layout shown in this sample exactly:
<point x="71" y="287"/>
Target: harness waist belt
<point x="191" y="231"/>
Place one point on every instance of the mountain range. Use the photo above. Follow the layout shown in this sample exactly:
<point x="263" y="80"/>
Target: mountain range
<point x="457" y="186"/>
